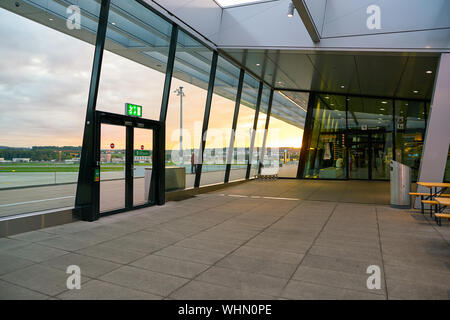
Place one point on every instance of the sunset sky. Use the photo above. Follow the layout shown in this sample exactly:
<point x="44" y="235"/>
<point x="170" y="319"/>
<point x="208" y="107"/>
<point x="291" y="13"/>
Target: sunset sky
<point x="44" y="82"/>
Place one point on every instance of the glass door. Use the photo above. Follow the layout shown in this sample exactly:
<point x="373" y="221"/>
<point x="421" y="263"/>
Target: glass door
<point x="381" y="154"/>
<point x="112" y="167"/>
<point x="359" y="156"/>
<point x="142" y="165"/>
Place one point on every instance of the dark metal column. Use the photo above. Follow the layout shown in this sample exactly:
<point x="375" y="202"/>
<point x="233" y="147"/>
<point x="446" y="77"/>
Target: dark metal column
<point x="87" y="193"/>
<point x="233" y="126"/>
<point x="212" y="78"/>
<point x="255" y="126"/>
<point x="157" y="193"/>
<point x="307" y="133"/>
<point x="158" y="180"/>
<point x="169" y="72"/>
<point x="394" y="129"/>
<point x="266" y="130"/>
<point x="129" y="165"/>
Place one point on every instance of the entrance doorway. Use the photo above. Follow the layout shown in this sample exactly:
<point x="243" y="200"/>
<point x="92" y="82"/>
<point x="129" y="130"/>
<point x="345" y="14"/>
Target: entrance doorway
<point x="131" y="168"/>
<point x="369" y="154"/>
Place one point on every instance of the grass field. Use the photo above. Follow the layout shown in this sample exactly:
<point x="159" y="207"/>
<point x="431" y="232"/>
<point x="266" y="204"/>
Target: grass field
<point x="49" y="167"/>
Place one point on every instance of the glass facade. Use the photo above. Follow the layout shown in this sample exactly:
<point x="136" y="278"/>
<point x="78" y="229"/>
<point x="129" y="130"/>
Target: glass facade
<point x="353" y="137"/>
<point x="44" y="85"/>
<point x="187" y="105"/>
<point x="244" y="128"/>
<point x="347" y="137"/>
<point x="220" y="123"/>
<point x="410" y="124"/>
<point x="285" y="132"/>
<point x="134" y="60"/>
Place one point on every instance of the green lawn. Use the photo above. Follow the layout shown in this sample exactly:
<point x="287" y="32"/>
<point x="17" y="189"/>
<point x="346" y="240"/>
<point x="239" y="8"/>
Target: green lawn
<point x="45" y="167"/>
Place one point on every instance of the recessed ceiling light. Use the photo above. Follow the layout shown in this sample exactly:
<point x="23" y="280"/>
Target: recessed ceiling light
<point x="342" y="87"/>
<point x="429" y="71"/>
<point x="416" y="91"/>
<point x="290" y="12"/>
<point x="383" y="102"/>
<point x="382" y="109"/>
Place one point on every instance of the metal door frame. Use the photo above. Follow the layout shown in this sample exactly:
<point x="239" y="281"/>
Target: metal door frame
<point x="157" y="185"/>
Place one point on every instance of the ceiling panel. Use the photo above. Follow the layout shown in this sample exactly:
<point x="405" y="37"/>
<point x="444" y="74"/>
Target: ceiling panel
<point x="393" y="74"/>
<point x="416" y="78"/>
<point x="380" y="74"/>
<point x="334" y="73"/>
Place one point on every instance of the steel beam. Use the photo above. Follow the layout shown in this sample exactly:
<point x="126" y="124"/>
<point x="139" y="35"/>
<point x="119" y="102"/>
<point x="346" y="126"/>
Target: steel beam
<point x="86" y="194"/>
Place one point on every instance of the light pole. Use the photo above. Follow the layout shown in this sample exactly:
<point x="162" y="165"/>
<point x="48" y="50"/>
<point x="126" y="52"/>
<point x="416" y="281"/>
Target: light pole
<point x="181" y="94"/>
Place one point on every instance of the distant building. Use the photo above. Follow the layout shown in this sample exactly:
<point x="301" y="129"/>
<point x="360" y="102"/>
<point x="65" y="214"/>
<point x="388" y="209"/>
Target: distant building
<point x="21" y="159"/>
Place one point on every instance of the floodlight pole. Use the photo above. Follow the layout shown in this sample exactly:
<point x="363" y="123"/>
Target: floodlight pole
<point x="181" y="94"/>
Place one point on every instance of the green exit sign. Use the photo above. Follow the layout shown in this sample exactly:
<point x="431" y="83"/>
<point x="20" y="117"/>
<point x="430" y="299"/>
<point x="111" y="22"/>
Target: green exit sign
<point x="133" y="110"/>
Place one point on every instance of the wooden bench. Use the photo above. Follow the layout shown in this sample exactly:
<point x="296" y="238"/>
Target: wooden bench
<point x="431" y="203"/>
<point x="439" y="216"/>
<point x="421" y="195"/>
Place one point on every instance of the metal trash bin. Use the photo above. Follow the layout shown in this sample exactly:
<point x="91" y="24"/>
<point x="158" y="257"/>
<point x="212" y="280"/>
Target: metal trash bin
<point x="400" y="185"/>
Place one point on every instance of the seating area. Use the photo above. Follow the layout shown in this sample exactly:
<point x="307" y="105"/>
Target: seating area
<point x="436" y="198"/>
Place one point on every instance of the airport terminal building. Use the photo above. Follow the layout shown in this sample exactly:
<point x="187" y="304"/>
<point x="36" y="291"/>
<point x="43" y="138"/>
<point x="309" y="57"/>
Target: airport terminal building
<point x="162" y="106"/>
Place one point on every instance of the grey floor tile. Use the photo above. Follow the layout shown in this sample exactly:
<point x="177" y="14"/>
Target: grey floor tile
<point x="189" y="254"/>
<point x="307" y="291"/>
<point x="33" y="236"/>
<point x="345" y="265"/>
<point x="110" y="253"/>
<point x="10" y="291"/>
<point x="7" y="243"/>
<point x="144" y="280"/>
<point x="177" y="267"/>
<point x="243" y="280"/>
<point x="259" y="266"/>
<point x="357" y="282"/>
<point x="413" y="290"/>
<point x="40" y="278"/>
<point x="197" y="290"/>
<point x="99" y="290"/>
<point x="89" y="266"/>
<point x="221" y="247"/>
<point x="269" y="254"/>
<point x="10" y="263"/>
<point x="35" y="252"/>
<point x="66" y="243"/>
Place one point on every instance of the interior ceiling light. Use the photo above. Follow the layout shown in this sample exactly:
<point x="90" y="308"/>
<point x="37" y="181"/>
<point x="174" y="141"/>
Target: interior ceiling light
<point x="342" y="87"/>
<point x="258" y="64"/>
<point x="291" y="8"/>
<point x="382" y="109"/>
<point x="429" y="71"/>
<point x="383" y="102"/>
<point x="327" y="97"/>
<point x="416" y="91"/>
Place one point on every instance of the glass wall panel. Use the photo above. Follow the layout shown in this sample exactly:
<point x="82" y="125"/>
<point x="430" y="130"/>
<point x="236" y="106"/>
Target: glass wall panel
<point x="260" y="131"/>
<point x="244" y="128"/>
<point x="187" y="106"/>
<point x="285" y="133"/>
<point x="134" y="62"/>
<point x="410" y="124"/>
<point x="370" y="145"/>
<point x="220" y="122"/>
<point x="44" y="84"/>
<point x="326" y="154"/>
